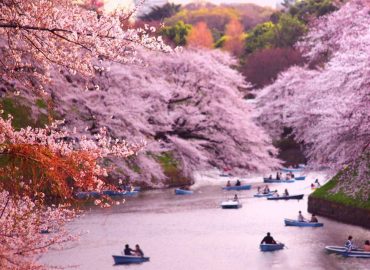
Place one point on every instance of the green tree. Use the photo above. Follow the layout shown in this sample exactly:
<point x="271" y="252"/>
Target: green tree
<point x="260" y="37"/>
<point x="158" y="13"/>
<point x="287" y="31"/>
<point x="177" y="33"/>
<point x="306" y="9"/>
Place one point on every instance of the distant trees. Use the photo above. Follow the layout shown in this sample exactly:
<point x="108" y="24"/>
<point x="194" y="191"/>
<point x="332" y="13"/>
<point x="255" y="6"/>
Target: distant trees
<point x="177" y="34"/>
<point x="234" y="38"/>
<point x="263" y="66"/>
<point x="159" y="13"/>
<point x="200" y="36"/>
<point x="306" y="10"/>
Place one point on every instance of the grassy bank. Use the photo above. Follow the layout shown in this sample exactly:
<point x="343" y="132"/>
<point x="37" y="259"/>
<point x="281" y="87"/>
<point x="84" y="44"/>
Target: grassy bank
<point x="326" y="193"/>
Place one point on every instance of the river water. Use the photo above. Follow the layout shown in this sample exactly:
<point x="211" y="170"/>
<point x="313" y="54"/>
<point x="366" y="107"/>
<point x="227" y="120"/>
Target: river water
<point x="193" y="232"/>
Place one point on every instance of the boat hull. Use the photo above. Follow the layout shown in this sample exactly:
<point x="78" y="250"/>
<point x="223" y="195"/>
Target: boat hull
<point x="231" y="205"/>
<point x="129" y="259"/>
<point x="271" y="247"/>
<point x="263" y="195"/>
<point x="268" y="180"/>
<point x="292" y="197"/>
<point x="291" y="222"/>
<point x="179" y="191"/>
<point x="357" y="253"/>
<point x="243" y="187"/>
<point x="300" y="178"/>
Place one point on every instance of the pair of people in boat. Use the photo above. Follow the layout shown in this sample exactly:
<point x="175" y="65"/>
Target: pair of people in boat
<point x="238" y="183"/>
<point x="266" y="190"/>
<point x="349" y="245"/>
<point x="133" y="252"/>
<point x="301" y="218"/>
<point x="268" y="239"/>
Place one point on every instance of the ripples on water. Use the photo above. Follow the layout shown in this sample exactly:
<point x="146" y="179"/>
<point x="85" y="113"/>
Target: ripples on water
<point x="193" y="232"/>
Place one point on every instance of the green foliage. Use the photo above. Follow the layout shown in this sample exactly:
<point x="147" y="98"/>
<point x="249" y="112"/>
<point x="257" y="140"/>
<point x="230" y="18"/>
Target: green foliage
<point x="306" y="9"/>
<point x="168" y="162"/>
<point x="220" y="42"/>
<point x="325" y="192"/>
<point x="177" y="33"/>
<point x="158" y="13"/>
<point x="284" y="33"/>
<point x="21" y="114"/>
<point x="41" y="104"/>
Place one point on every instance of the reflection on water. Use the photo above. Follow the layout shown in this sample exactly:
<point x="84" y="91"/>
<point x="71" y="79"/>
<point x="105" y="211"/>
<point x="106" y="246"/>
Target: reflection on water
<point x="193" y="232"/>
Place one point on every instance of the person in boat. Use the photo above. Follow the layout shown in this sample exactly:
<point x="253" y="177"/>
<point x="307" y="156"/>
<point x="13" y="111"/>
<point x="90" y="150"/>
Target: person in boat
<point x="292" y="175"/>
<point x="314" y="219"/>
<point x="128" y="251"/>
<point x="138" y="251"/>
<point x="367" y="246"/>
<point x="349" y="244"/>
<point x="258" y="190"/>
<point x="228" y="184"/>
<point x="268" y="239"/>
<point x="317" y="183"/>
<point x="236" y="198"/>
<point x="266" y="190"/>
<point x="300" y="217"/>
<point x="312" y="185"/>
<point x="270" y="177"/>
<point x="286" y="193"/>
<point x="275" y="193"/>
<point x="278" y="176"/>
<point x="237" y="183"/>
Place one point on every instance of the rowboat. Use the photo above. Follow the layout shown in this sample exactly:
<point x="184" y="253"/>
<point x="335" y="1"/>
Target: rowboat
<point x="274" y="180"/>
<point x="357" y="253"/>
<point x="300" y="178"/>
<point x="291" y="222"/>
<point x="271" y="247"/>
<point x="231" y="204"/>
<point x="293" y="170"/>
<point x="290" y="197"/>
<point x="129" y="259"/>
<point x="179" y="191"/>
<point x="225" y="174"/>
<point x="302" y="166"/>
<point x="260" y="195"/>
<point x="114" y="193"/>
<point x="243" y="187"/>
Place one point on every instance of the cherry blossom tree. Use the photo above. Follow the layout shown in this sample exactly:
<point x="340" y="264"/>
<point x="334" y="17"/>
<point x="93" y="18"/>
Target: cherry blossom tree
<point x="328" y="106"/>
<point x="36" y="35"/>
<point x="189" y="105"/>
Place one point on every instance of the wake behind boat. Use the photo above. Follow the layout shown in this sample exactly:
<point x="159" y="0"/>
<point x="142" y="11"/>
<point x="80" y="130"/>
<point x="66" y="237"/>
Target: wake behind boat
<point x="357" y="253"/>
<point x="291" y="222"/>
<point x="290" y="197"/>
<point x="119" y="259"/>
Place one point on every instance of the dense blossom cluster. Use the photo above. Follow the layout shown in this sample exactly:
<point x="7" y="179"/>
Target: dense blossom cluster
<point x="188" y="104"/>
<point x="28" y="228"/>
<point x="328" y="106"/>
<point x="38" y="34"/>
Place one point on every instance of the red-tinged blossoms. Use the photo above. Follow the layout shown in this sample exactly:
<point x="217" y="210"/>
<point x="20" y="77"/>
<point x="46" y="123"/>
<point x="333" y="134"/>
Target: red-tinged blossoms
<point x="62" y="33"/>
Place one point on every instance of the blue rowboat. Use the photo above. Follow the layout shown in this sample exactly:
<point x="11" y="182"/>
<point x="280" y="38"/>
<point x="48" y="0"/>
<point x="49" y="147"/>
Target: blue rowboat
<point x="273" y="180"/>
<point x="225" y="174"/>
<point x="231" y="204"/>
<point x="293" y="170"/>
<point x="260" y="195"/>
<point x="129" y="259"/>
<point x="290" y="197"/>
<point x="113" y="193"/>
<point x="300" y="178"/>
<point x="82" y="195"/>
<point x="291" y="222"/>
<point x="243" y="187"/>
<point x="179" y="191"/>
<point x="357" y="253"/>
<point x="271" y="247"/>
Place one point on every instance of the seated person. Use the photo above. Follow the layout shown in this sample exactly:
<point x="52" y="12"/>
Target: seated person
<point x="270" y="177"/>
<point x="228" y="184"/>
<point x="138" y="251"/>
<point x="286" y="193"/>
<point x="349" y="244"/>
<point x="268" y="239"/>
<point x="236" y="198"/>
<point x="314" y="218"/>
<point x="128" y="251"/>
<point x="367" y="246"/>
<point x="238" y="183"/>
<point x="300" y="217"/>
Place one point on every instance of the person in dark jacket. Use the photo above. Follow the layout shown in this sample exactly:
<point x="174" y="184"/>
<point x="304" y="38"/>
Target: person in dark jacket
<point x="268" y="239"/>
<point x="128" y="251"/>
